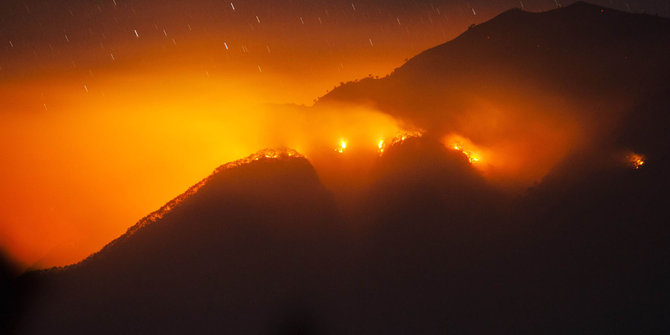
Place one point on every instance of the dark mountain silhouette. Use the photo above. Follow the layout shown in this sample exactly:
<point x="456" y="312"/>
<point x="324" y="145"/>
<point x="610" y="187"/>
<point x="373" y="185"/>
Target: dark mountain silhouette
<point x="596" y="230"/>
<point x="581" y="252"/>
<point x="232" y="254"/>
<point x="578" y="51"/>
<point x="259" y="246"/>
<point x="9" y="294"/>
<point x="434" y="222"/>
<point x="581" y="69"/>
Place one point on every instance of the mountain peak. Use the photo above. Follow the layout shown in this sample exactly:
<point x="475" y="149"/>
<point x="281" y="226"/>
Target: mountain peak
<point x="571" y="9"/>
<point x="583" y="5"/>
<point x="577" y="39"/>
<point x="585" y="8"/>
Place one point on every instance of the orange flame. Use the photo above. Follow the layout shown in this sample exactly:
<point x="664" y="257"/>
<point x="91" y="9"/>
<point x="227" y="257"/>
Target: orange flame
<point x="464" y="146"/>
<point x="380" y="146"/>
<point x="636" y="160"/>
<point x="342" y="146"/>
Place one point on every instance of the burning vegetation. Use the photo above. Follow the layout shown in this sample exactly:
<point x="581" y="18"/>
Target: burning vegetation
<point x="636" y="160"/>
<point x="471" y="156"/>
<point x="342" y="146"/>
<point x="464" y="146"/>
<point x="268" y="154"/>
<point x="383" y="144"/>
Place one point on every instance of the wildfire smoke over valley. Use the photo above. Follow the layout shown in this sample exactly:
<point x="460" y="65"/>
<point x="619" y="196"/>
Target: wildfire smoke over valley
<point x="106" y="131"/>
<point x="148" y="138"/>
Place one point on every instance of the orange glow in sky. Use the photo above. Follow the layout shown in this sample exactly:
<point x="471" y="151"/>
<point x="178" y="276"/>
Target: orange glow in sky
<point x="89" y="159"/>
<point x="97" y="135"/>
<point x="85" y="163"/>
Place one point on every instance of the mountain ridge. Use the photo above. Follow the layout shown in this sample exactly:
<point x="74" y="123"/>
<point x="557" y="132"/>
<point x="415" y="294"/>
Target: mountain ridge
<point x="155" y="216"/>
<point x="516" y="24"/>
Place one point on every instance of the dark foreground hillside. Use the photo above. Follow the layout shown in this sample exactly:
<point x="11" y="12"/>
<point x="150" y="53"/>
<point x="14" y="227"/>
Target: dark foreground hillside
<point x="233" y="256"/>
<point x="259" y="248"/>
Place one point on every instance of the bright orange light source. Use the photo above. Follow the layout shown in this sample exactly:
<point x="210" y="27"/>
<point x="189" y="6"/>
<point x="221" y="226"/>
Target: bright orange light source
<point x="463" y="145"/>
<point x="471" y="156"/>
<point x="342" y="147"/>
<point x="380" y="145"/>
<point x="407" y="135"/>
<point x="636" y="160"/>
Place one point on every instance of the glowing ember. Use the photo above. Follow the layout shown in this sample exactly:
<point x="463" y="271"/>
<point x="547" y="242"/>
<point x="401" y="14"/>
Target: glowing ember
<point x="266" y="154"/>
<point x="342" y="147"/>
<point x="383" y="143"/>
<point x="463" y="145"/>
<point x="401" y="137"/>
<point x="636" y="160"/>
<point x="471" y="156"/>
<point x="380" y="145"/>
<point x="406" y="135"/>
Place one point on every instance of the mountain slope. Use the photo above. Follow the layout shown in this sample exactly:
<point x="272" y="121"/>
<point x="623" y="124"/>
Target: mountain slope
<point x="260" y="248"/>
<point x="582" y="251"/>
<point x="580" y="50"/>
<point x="529" y="87"/>
<point x="252" y="225"/>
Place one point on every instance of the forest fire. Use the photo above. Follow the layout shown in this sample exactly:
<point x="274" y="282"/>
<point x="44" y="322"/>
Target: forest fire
<point x="342" y="146"/>
<point x="407" y="134"/>
<point x="380" y="146"/>
<point x="152" y="128"/>
<point x="636" y="160"/>
<point x="471" y="156"/>
<point x="267" y="154"/>
<point x="464" y="146"/>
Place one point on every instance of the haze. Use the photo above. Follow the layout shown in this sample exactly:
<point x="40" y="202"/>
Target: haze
<point x="104" y="121"/>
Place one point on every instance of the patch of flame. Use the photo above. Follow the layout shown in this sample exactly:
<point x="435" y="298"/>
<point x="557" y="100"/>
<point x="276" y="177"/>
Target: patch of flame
<point x="382" y="144"/>
<point x="405" y="135"/>
<point x="636" y="160"/>
<point x="465" y="147"/>
<point x="342" y="146"/>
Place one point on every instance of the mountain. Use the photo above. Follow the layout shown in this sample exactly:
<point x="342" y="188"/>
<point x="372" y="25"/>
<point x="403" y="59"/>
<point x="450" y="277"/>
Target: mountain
<point x="583" y="251"/>
<point x="537" y="86"/>
<point x="9" y="290"/>
<point x="578" y="52"/>
<point x="433" y="246"/>
<point x="233" y="253"/>
<point x="259" y="247"/>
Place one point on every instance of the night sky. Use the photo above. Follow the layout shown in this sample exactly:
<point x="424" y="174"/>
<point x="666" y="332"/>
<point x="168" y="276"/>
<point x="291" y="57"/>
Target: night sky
<point x="249" y="35"/>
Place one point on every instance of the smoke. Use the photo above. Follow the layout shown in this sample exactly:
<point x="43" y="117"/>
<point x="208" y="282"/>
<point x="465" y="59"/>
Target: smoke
<point x="87" y="162"/>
